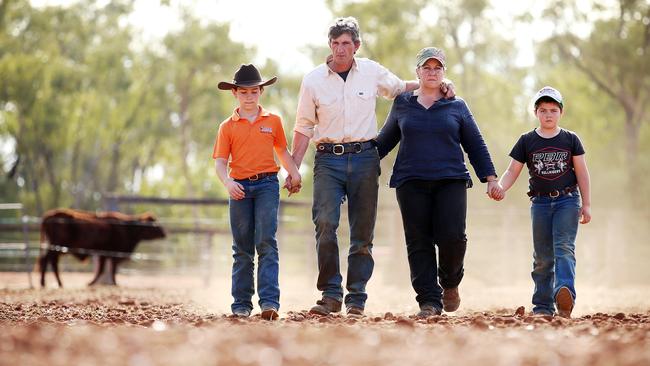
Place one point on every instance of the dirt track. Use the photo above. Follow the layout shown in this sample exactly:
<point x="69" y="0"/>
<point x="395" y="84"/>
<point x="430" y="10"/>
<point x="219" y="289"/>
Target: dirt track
<point x="130" y="326"/>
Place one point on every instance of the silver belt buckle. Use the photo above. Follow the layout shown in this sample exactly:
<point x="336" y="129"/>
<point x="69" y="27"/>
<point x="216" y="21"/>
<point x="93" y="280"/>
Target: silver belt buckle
<point x="554" y="194"/>
<point x="254" y="177"/>
<point x="338" y="146"/>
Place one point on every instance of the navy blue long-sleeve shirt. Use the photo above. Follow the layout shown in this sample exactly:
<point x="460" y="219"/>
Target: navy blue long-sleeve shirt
<point x="432" y="141"/>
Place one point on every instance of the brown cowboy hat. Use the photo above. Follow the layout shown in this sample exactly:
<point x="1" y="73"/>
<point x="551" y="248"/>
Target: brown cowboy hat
<point x="246" y="76"/>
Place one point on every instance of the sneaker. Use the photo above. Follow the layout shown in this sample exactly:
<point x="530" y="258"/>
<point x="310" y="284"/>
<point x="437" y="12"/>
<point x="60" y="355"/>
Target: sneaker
<point x="564" y="302"/>
<point x="354" y="311"/>
<point x="450" y="299"/>
<point x="326" y="306"/>
<point x="270" y="314"/>
<point x="241" y="313"/>
<point x="427" y="311"/>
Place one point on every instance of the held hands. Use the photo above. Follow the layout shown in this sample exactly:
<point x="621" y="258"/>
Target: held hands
<point x="495" y="190"/>
<point x="235" y="190"/>
<point x="293" y="184"/>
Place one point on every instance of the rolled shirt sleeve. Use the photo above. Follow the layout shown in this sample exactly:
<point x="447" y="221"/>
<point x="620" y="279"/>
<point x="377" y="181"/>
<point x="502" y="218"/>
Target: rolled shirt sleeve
<point x="306" y="112"/>
<point x="389" y="85"/>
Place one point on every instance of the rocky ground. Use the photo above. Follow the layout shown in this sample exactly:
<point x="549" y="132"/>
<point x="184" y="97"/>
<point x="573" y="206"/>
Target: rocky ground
<point x="154" y="326"/>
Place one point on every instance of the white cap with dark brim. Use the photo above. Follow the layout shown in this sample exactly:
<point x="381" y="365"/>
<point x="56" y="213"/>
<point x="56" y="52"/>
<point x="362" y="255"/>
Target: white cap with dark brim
<point x="550" y="92"/>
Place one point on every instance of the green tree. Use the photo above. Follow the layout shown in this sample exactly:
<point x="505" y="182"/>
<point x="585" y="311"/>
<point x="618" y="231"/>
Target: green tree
<point x="614" y="59"/>
<point x="198" y="57"/>
<point x="91" y="113"/>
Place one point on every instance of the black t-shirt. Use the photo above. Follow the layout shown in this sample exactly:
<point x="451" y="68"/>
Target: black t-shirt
<point x="549" y="160"/>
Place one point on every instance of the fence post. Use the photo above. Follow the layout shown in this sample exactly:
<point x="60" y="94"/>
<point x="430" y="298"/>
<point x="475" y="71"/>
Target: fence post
<point x="207" y="260"/>
<point x="28" y="268"/>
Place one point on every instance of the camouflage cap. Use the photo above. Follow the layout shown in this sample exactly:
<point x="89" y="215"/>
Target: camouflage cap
<point x="430" y="52"/>
<point x="550" y="92"/>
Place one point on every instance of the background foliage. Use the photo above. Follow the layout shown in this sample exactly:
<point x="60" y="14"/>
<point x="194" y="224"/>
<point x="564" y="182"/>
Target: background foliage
<point x="86" y="109"/>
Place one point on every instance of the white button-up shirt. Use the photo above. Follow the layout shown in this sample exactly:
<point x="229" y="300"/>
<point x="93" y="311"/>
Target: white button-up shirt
<point x="333" y="110"/>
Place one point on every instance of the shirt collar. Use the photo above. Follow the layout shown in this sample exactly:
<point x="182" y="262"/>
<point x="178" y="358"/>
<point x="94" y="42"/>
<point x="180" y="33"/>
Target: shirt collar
<point x="412" y="97"/>
<point x="355" y="66"/>
<point x="263" y="113"/>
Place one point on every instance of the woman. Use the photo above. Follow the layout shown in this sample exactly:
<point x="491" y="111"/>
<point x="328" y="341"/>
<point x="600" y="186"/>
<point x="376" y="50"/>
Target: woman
<point x="431" y="178"/>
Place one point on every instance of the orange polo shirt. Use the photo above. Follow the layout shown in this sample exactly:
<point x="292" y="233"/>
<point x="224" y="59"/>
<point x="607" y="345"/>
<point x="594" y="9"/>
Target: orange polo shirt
<point x="250" y="145"/>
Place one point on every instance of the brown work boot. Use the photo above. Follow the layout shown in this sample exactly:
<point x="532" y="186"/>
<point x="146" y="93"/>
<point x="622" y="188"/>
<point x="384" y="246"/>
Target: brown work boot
<point x="354" y="311"/>
<point x="564" y="302"/>
<point x="270" y="314"/>
<point x="450" y="299"/>
<point x="326" y="306"/>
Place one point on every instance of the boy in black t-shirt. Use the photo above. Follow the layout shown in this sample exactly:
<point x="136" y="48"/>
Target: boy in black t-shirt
<point x="559" y="178"/>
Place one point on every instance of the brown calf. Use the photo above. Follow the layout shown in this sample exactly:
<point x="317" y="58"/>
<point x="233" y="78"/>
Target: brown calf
<point x="87" y="233"/>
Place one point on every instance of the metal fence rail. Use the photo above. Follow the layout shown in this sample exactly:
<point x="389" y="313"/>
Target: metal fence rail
<point x="202" y="230"/>
<point x="13" y="247"/>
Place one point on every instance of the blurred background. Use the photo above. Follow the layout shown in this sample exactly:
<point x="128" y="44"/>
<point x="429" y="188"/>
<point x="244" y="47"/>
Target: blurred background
<point x="114" y="105"/>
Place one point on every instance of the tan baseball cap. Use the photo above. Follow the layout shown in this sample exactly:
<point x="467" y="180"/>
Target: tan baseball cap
<point x="430" y="52"/>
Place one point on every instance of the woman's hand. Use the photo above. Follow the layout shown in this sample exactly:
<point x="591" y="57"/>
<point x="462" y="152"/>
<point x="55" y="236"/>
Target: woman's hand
<point x="495" y="191"/>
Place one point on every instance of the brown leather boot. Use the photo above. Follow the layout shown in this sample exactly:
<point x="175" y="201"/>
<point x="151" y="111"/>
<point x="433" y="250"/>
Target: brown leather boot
<point x="450" y="299"/>
<point x="269" y="314"/>
<point x="564" y="302"/>
<point x="326" y="306"/>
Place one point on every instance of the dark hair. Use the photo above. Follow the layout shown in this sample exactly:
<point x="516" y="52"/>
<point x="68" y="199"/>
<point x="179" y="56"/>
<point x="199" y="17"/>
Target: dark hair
<point x="235" y="87"/>
<point x="546" y="99"/>
<point x="348" y="25"/>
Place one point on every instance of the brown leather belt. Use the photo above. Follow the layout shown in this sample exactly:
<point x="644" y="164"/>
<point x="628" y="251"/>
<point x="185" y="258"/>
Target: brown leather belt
<point x="553" y="194"/>
<point x="259" y="176"/>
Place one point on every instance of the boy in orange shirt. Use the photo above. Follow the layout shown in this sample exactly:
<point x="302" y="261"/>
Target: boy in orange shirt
<point x="249" y="138"/>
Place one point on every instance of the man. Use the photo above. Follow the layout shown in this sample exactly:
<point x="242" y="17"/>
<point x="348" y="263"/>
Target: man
<point x="336" y="110"/>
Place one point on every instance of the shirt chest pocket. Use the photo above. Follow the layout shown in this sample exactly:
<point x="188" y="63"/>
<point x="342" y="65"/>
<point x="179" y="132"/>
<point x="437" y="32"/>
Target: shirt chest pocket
<point x="328" y="107"/>
<point x="363" y="100"/>
<point x="364" y="96"/>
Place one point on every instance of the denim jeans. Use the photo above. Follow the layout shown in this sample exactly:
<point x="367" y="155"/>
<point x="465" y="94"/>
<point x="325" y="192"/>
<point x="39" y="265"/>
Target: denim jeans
<point x="254" y="222"/>
<point x="555" y="225"/>
<point x="337" y="177"/>
<point x="434" y="214"/>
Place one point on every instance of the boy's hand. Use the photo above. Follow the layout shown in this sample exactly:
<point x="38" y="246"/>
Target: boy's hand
<point x="293" y="184"/>
<point x="287" y="183"/>
<point x="235" y="190"/>
<point x="296" y="184"/>
<point x="447" y="88"/>
<point x="585" y="214"/>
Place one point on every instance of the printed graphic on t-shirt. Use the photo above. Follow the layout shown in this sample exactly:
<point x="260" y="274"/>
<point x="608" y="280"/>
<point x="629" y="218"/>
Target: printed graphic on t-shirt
<point x="266" y="129"/>
<point x="550" y="163"/>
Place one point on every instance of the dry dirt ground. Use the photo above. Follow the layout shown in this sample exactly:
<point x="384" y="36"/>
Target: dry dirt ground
<point x="137" y="324"/>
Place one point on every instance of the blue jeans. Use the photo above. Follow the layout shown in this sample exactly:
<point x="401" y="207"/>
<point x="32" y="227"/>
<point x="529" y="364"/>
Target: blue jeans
<point x="337" y="177"/>
<point x="254" y="222"/>
<point x="555" y="226"/>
